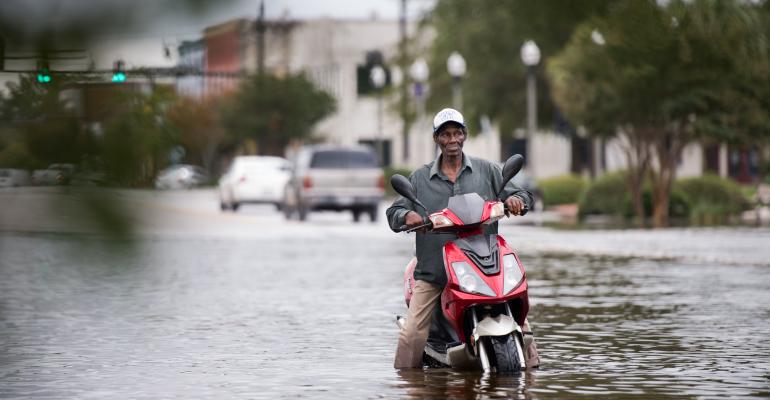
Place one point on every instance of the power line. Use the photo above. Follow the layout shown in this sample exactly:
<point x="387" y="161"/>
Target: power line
<point x="156" y="71"/>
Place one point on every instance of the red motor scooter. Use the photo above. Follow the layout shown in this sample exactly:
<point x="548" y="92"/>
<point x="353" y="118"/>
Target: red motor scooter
<point x="483" y="307"/>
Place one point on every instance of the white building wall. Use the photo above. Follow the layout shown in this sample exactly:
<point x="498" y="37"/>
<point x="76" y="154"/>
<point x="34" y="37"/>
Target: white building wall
<point x="328" y="51"/>
<point x="691" y="163"/>
<point x="484" y="145"/>
<point x="550" y="155"/>
<point x="615" y="158"/>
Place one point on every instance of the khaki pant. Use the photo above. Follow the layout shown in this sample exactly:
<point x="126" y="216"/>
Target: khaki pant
<point x="412" y="339"/>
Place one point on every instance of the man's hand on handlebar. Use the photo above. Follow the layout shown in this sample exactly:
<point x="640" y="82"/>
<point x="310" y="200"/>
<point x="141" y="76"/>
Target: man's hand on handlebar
<point x="413" y="219"/>
<point x="515" y="205"/>
<point x="413" y="222"/>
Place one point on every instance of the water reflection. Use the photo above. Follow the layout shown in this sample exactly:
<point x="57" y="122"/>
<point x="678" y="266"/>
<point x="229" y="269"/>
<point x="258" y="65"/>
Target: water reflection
<point x="189" y="316"/>
<point x="448" y="384"/>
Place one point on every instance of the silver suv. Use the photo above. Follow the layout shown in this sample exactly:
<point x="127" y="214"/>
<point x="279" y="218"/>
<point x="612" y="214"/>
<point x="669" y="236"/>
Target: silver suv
<point x="335" y="178"/>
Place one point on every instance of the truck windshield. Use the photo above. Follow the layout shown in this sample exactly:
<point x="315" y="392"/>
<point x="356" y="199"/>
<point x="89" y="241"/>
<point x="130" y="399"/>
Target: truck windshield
<point x="327" y="159"/>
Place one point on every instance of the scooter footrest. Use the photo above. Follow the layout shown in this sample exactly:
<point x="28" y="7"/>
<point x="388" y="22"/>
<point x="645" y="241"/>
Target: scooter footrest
<point x="453" y="344"/>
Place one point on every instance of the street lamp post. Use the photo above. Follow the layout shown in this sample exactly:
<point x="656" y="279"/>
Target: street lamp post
<point x="419" y="73"/>
<point x="377" y="76"/>
<point x="530" y="55"/>
<point x="455" y="64"/>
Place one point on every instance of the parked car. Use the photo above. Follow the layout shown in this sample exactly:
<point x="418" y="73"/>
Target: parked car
<point x="181" y="176"/>
<point x="253" y="179"/>
<point x="334" y="178"/>
<point x="55" y="174"/>
<point x="12" y="177"/>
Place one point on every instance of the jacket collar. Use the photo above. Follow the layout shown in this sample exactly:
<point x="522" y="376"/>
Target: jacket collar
<point x="435" y="170"/>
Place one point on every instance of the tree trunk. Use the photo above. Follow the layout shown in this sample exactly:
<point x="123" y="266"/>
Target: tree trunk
<point x="637" y="153"/>
<point x="635" y="184"/>
<point x="661" y="196"/>
<point x="669" y="144"/>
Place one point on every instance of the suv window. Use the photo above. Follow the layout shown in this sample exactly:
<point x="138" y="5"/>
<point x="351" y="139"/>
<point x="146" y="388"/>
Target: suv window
<point x="342" y="159"/>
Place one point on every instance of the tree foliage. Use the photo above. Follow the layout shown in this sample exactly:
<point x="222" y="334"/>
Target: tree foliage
<point x="664" y="76"/>
<point x="199" y="130"/>
<point x="137" y="141"/>
<point x="268" y="108"/>
<point x="38" y="126"/>
<point x="489" y="34"/>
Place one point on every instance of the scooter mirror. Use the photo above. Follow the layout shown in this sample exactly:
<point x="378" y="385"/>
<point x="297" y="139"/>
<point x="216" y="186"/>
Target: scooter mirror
<point x="511" y="167"/>
<point x="403" y="187"/>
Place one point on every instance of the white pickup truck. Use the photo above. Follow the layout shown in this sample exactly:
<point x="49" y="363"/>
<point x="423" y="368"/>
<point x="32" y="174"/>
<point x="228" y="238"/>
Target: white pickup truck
<point x="328" y="177"/>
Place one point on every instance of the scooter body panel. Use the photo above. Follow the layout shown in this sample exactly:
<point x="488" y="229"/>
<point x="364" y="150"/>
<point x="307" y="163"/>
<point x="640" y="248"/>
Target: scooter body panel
<point x="455" y="302"/>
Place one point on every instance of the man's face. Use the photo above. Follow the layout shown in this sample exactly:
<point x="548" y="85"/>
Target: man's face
<point x="450" y="139"/>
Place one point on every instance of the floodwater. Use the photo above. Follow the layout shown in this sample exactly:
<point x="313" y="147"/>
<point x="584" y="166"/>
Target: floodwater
<point x="308" y="311"/>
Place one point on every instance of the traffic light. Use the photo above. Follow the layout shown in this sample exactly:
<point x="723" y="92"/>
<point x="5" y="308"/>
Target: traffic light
<point x="43" y="72"/>
<point x="118" y="74"/>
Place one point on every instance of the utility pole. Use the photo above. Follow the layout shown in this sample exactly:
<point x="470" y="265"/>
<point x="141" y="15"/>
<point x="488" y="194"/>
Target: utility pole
<point x="261" y="39"/>
<point x="402" y="58"/>
<point x="2" y="53"/>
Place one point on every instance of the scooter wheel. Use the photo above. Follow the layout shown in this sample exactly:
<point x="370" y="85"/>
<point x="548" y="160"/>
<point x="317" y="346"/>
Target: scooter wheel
<point x="505" y="356"/>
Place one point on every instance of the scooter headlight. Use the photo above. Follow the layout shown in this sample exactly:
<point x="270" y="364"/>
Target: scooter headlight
<point x="511" y="273"/>
<point x="469" y="280"/>
<point x="440" y="221"/>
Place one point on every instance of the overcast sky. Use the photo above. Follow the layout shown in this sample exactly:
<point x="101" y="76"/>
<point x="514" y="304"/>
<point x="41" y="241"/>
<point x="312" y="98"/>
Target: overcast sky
<point x="159" y="23"/>
<point x="173" y="29"/>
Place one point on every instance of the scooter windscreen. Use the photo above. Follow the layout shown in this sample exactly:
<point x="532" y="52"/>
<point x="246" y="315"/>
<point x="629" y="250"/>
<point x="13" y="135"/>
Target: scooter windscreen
<point x="466" y="212"/>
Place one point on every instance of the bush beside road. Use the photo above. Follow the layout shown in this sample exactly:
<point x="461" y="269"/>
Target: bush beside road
<point x="705" y="200"/>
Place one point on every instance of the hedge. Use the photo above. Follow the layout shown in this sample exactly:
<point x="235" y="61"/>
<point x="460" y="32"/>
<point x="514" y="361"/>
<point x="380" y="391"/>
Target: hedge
<point x="563" y="189"/>
<point x="609" y="195"/>
<point x="712" y="198"/>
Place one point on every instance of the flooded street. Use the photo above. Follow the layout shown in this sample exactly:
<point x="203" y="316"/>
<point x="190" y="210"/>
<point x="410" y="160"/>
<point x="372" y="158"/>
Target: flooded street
<point x="210" y="305"/>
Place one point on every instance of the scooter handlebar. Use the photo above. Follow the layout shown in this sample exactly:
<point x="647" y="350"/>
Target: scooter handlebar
<point x="523" y="211"/>
<point x="418" y="227"/>
<point x="405" y="228"/>
<point x="428" y="224"/>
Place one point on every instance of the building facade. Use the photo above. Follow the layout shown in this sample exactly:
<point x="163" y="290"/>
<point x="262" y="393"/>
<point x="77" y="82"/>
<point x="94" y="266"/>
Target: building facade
<point x="192" y="58"/>
<point x="333" y="53"/>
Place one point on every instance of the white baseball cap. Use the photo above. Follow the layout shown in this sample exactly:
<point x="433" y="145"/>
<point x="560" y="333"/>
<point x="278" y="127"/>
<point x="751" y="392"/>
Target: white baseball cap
<point x="447" y="115"/>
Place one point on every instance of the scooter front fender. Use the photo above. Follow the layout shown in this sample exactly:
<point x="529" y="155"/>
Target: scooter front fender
<point x="500" y="325"/>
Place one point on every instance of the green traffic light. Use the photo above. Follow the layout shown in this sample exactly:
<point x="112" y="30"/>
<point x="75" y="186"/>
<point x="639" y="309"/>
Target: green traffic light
<point x="43" y="78"/>
<point x="119" y="77"/>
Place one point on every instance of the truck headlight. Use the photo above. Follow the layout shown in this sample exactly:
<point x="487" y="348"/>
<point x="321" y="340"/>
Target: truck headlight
<point x="512" y="274"/>
<point x="469" y="280"/>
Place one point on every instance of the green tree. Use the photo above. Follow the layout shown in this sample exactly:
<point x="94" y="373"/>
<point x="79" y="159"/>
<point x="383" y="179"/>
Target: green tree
<point x="38" y="124"/>
<point x="273" y="110"/>
<point x="199" y="129"/>
<point x="661" y="77"/>
<point x="137" y="141"/>
<point x="489" y="35"/>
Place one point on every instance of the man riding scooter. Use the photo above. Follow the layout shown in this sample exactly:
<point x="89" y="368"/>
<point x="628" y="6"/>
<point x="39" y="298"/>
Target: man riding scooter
<point x="450" y="174"/>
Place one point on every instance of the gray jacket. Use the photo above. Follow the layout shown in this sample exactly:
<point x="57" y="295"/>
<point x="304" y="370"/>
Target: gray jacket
<point x="434" y="189"/>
